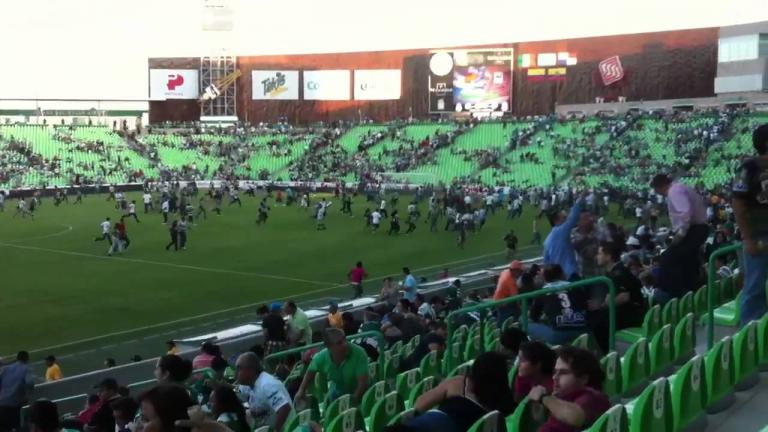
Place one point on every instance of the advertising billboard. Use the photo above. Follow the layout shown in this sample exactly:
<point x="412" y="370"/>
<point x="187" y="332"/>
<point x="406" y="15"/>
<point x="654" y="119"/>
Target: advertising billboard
<point x="485" y="87"/>
<point x="174" y="84"/>
<point x="326" y="85"/>
<point x="377" y="84"/>
<point x="275" y="85"/>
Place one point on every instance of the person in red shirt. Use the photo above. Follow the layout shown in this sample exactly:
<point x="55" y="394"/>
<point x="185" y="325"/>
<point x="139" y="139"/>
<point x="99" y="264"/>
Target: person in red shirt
<point x="122" y="235"/>
<point x="578" y="399"/>
<point x="356" y="276"/>
<point x="536" y="363"/>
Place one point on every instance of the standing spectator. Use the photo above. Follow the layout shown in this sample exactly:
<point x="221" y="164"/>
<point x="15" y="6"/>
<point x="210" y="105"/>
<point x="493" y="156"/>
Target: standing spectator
<point x="208" y="352"/>
<point x="410" y="285"/>
<point x="558" y="248"/>
<point x="43" y="417"/>
<point x="275" y="337"/>
<point x="344" y="365"/>
<point x="750" y="207"/>
<point x="680" y="263"/>
<point x="52" y="369"/>
<point x="507" y="287"/>
<point x="389" y="293"/>
<point x="16" y="385"/>
<point x="356" y="276"/>
<point x="585" y="242"/>
<point x="578" y="399"/>
<point x="172" y="348"/>
<point x="299" y="328"/>
<point x="268" y="401"/>
<point x="103" y="419"/>
<point x="334" y="316"/>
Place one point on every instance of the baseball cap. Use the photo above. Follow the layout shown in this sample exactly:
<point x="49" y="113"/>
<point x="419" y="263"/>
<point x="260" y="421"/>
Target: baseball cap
<point x="516" y="265"/>
<point x="107" y="384"/>
<point x="275" y="307"/>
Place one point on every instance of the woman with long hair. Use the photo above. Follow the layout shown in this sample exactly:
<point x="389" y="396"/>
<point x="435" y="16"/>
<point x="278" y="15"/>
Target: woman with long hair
<point x="162" y="405"/>
<point x="172" y="369"/>
<point x="228" y="410"/>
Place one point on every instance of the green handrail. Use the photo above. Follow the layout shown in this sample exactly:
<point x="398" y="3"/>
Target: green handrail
<point x="298" y="350"/>
<point x="711" y="291"/>
<point x="523" y="298"/>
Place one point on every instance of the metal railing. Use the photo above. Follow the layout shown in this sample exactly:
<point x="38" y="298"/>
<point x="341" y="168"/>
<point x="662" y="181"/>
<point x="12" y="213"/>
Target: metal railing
<point x="711" y="274"/>
<point x="524" y="298"/>
<point x="272" y="359"/>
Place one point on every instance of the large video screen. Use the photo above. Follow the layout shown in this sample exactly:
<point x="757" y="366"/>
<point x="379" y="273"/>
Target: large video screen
<point x="470" y="80"/>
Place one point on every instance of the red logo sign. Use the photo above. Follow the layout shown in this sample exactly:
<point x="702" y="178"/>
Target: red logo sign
<point x="611" y="70"/>
<point x="175" y="80"/>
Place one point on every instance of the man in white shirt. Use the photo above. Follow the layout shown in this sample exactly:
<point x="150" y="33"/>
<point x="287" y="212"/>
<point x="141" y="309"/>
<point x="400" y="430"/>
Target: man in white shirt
<point x="147" y="198"/>
<point x="165" y="207"/>
<point x="268" y="400"/>
<point x="106" y="229"/>
<point x="21" y="209"/>
<point x="375" y="220"/>
<point x="132" y="211"/>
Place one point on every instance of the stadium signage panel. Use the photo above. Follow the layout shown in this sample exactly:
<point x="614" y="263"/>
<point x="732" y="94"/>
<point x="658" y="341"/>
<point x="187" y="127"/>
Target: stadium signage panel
<point x="326" y="85"/>
<point x="174" y="84"/>
<point x="275" y="85"/>
<point x="377" y="84"/>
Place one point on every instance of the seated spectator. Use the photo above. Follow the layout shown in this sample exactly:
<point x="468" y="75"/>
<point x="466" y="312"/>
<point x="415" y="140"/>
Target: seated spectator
<point x="351" y="326"/>
<point x="275" y="334"/>
<point x="577" y="400"/>
<point x="455" y="296"/>
<point x="208" y="351"/>
<point x="432" y="341"/>
<point x="124" y="411"/>
<point x="268" y="400"/>
<point x="371" y="320"/>
<point x="344" y="365"/>
<point x="565" y="311"/>
<point x="390" y="293"/>
<point x="103" y="420"/>
<point x="43" y="416"/>
<point x="92" y="404"/>
<point x="172" y="348"/>
<point x="172" y="369"/>
<point x="334" y="316"/>
<point x="391" y="327"/>
<point x="424" y="309"/>
<point x="52" y="369"/>
<point x="723" y="271"/>
<point x="227" y="409"/>
<point x="630" y="304"/>
<point x="535" y="364"/>
<point x="461" y="400"/>
<point x="162" y="406"/>
<point x="510" y="340"/>
<point x="300" y="330"/>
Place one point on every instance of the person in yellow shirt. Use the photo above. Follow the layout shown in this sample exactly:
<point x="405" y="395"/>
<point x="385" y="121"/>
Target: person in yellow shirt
<point x="334" y="316"/>
<point x="52" y="371"/>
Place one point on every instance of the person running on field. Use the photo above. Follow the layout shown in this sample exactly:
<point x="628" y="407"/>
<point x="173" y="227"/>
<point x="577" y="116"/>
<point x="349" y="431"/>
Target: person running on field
<point x="356" y="276"/>
<point x="106" y="228"/>
<point x="173" y="230"/>
<point x="394" y="223"/>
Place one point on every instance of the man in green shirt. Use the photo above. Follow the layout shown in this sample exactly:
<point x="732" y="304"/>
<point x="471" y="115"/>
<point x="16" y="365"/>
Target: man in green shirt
<point x="344" y="365"/>
<point x="300" y="331"/>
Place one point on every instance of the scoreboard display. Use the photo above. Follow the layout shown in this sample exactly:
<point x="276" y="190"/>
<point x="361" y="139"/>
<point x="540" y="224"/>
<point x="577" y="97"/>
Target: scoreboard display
<point x="470" y="80"/>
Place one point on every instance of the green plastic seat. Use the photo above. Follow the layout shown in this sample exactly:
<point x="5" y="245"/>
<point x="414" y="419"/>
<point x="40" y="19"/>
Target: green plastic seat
<point x="661" y="351"/>
<point x="374" y="394"/>
<point x="729" y="314"/>
<point x="298" y="419"/>
<point x="430" y="366"/>
<point x="727" y="291"/>
<point x="613" y="420"/>
<point x="719" y="376"/>
<point x="452" y="357"/>
<point x="373" y="371"/>
<point x="652" y="410"/>
<point x="700" y="302"/>
<point x="402" y="416"/>
<point x="689" y="395"/>
<point x="423" y="386"/>
<point x="512" y="375"/>
<point x="669" y="313"/>
<point x="473" y="347"/>
<point x="406" y="381"/>
<point x="462" y="369"/>
<point x="509" y="322"/>
<point x="685" y="339"/>
<point x="685" y="305"/>
<point x="588" y="342"/>
<point x="320" y="387"/>
<point x="762" y="342"/>
<point x="262" y="429"/>
<point x="341" y="404"/>
<point x="348" y="421"/>
<point x="522" y="419"/>
<point x="491" y="341"/>
<point x="383" y="411"/>
<point x="635" y="367"/>
<point x="486" y="423"/>
<point x="745" y="357"/>
<point x="611" y="365"/>
<point x="391" y="369"/>
<point x="651" y="324"/>
<point x="396" y="347"/>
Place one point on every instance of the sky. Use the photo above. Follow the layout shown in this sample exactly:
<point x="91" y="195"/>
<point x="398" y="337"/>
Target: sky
<point x="95" y="49"/>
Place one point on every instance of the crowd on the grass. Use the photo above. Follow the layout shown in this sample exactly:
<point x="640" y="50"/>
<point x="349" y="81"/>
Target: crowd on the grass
<point x="647" y="265"/>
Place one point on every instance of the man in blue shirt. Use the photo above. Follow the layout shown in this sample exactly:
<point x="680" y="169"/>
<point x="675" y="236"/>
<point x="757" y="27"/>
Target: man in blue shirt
<point x="557" y="246"/>
<point x="410" y="285"/>
<point x="16" y="384"/>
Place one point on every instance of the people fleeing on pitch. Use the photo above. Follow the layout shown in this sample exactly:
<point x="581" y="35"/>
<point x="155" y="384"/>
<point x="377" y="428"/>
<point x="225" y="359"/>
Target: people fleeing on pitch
<point x="132" y="211"/>
<point x="565" y="311"/>
<point x="558" y="248"/>
<point x="147" y="199"/>
<point x="22" y="210"/>
<point x="322" y="210"/>
<point x="577" y="399"/>
<point x="394" y="223"/>
<point x="356" y="276"/>
<point x="750" y="206"/>
<point x="174" y="231"/>
<point x="510" y="240"/>
<point x="680" y="262"/>
<point x="165" y="208"/>
<point x="106" y="231"/>
<point x="375" y="220"/>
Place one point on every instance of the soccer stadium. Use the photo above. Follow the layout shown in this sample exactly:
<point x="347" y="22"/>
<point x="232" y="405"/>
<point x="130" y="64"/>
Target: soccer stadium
<point x="234" y="216"/>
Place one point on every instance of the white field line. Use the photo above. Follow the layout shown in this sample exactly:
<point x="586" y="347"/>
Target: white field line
<point x="56" y="234"/>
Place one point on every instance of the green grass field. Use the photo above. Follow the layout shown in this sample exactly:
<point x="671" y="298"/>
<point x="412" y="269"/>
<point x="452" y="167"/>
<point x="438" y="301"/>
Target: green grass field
<point x="60" y="287"/>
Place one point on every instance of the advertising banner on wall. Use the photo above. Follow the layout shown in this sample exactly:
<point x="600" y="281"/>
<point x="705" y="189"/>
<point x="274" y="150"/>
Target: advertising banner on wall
<point x="377" y="84"/>
<point x="275" y="85"/>
<point x="326" y="85"/>
<point x="174" y="84"/>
